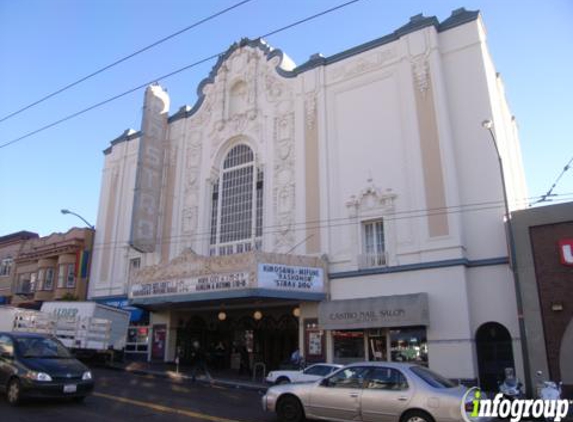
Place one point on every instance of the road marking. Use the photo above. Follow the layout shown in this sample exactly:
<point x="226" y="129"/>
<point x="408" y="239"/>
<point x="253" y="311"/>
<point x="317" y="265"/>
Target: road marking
<point x="160" y="408"/>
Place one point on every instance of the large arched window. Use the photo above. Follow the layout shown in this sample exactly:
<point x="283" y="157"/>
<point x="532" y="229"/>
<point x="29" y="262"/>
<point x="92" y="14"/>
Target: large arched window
<point x="237" y="205"/>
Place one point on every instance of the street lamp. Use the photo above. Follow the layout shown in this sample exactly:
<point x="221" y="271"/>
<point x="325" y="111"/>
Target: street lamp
<point x="64" y="211"/>
<point x="488" y="125"/>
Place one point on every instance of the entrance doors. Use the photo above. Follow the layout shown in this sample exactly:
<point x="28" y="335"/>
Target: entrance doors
<point x="378" y="347"/>
<point x="494" y="353"/>
<point x="270" y="339"/>
<point x="159" y="333"/>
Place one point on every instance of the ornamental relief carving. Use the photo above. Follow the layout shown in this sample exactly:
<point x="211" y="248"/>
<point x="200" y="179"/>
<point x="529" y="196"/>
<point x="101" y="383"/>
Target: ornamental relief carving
<point x="371" y="199"/>
<point x="310" y="110"/>
<point x="246" y="124"/>
<point x="284" y="185"/>
<point x="275" y="89"/>
<point x="190" y="264"/>
<point x="363" y="65"/>
<point x="421" y="73"/>
<point x="193" y="156"/>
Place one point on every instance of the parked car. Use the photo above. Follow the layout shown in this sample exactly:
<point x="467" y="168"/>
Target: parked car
<point x="39" y="365"/>
<point x="370" y="392"/>
<point x="310" y="373"/>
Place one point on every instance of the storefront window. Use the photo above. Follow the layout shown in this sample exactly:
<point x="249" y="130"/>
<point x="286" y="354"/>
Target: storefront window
<point x="137" y="340"/>
<point x="409" y="344"/>
<point x="348" y="346"/>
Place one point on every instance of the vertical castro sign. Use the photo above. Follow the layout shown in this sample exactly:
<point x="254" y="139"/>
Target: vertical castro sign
<point x="149" y="170"/>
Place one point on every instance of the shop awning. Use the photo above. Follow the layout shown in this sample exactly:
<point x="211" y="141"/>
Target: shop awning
<point x="375" y="312"/>
<point x="121" y="302"/>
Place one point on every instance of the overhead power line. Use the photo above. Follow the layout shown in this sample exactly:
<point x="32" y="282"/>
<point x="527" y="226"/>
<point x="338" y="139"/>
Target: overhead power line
<point x="550" y="191"/>
<point x="123" y="59"/>
<point x="175" y="72"/>
<point x="340" y="222"/>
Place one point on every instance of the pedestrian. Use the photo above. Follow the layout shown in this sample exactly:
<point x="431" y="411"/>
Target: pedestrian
<point x="245" y="366"/>
<point x="296" y="359"/>
<point x="198" y="362"/>
<point x="220" y="355"/>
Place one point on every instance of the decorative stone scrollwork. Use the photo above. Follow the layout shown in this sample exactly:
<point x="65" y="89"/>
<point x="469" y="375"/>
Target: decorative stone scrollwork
<point x="274" y="88"/>
<point x="310" y="109"/>
<point x="421" y="72"/>
<point x="193" y="158"/>
<point x="371" y="199"/>
<point x="190" y="264"/>
<point x="363" y="65"/>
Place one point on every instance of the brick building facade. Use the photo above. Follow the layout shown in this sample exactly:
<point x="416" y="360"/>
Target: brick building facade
<point x="544" y="241"/>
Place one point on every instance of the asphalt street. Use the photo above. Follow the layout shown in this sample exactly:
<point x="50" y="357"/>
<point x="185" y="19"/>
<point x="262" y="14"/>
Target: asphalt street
<point x="124" y="396"/>
<point x="121" y="396"/>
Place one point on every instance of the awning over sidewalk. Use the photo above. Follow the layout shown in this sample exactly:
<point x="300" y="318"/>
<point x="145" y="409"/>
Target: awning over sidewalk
<point x="121" y="302"/>
<point x="374" y="312"/>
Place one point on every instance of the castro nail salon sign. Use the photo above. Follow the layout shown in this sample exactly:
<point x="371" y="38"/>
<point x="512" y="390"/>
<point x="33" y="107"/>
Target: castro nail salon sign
<point x="290" y="278"/>
<point x="374" y="312"/>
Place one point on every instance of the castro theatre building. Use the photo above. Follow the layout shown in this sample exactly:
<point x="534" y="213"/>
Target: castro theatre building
<point x="350" y="206"/>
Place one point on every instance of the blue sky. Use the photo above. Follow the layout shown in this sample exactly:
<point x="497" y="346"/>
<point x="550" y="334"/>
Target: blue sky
<point x="46" y="44"/>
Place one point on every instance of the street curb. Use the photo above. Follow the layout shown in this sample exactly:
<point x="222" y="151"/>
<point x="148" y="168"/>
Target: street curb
<point x="186" y="378"/>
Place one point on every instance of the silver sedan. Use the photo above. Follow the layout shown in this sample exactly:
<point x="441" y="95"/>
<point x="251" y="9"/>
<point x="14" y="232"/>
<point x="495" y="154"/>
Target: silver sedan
<point x="370" y="392"/>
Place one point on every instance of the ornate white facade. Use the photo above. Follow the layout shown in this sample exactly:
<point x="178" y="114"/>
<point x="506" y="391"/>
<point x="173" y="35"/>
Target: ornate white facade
<point x="373" y="160"/>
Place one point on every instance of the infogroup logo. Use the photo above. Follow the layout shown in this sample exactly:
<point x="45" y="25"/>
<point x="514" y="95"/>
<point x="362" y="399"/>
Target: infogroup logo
<point x="475" y="406"/>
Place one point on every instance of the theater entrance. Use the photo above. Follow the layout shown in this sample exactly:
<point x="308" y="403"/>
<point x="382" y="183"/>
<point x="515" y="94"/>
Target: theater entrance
<point x="239" y="340"/>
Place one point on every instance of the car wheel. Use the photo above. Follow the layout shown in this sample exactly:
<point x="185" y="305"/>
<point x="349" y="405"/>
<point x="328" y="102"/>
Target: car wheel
<point x="416" y="416"/>
<point x="282" y="380"/>
<point x="289" y="409"/>
<point x="14" y="392"/>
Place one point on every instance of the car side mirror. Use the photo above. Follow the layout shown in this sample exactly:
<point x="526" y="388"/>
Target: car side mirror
<point x="325" y="382"/>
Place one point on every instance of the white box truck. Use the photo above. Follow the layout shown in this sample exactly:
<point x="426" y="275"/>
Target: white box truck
<point x="88" y="328"/>
<point x="89" y="325"/>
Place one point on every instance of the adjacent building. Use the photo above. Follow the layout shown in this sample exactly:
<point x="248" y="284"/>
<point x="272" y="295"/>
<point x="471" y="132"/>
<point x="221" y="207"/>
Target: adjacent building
<point x="10" y="247"/>
<point x="351" y="206"/>
<point x="52" y="267"/>
<point x="544" y="252"/>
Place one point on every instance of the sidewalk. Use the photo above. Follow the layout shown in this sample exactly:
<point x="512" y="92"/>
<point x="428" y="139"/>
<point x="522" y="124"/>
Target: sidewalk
<point x="227" y="378"/>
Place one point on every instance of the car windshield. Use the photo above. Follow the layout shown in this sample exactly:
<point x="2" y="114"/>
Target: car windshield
<point x="39" y="347"/>
<point x="431" y="378"/>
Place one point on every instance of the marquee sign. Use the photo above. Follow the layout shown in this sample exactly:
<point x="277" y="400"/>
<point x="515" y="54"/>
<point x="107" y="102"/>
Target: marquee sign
<point x="202" y="284"/>
<point x="290" y="278"/>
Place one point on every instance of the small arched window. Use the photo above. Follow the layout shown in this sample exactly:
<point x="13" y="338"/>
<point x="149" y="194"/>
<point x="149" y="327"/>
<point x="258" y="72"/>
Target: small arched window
<point x="237" y="204"/>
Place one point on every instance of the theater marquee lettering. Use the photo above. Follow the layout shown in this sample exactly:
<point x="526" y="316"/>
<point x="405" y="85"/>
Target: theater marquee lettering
<point x="201" y="284"/>
<point x="287" y="277"/>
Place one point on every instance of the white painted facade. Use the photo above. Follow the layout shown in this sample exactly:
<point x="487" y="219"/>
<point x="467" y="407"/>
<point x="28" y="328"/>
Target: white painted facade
<point x="389" y="130"/>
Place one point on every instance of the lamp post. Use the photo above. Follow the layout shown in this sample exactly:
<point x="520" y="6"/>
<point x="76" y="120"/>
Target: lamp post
<point x="65" y="211"/>
<point x="488" y="125"/>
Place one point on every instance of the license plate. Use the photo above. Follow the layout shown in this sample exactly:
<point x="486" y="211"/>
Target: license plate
<point x="70" y="388"/>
